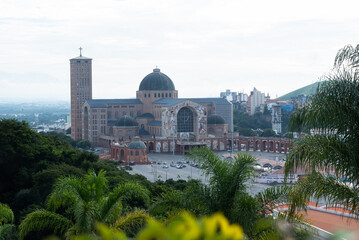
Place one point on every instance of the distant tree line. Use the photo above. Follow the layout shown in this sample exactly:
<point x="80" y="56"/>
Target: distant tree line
<point x="259" y="124"/>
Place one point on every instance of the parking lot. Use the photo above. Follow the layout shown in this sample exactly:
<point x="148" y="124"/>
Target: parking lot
<point x="157" y="171"/>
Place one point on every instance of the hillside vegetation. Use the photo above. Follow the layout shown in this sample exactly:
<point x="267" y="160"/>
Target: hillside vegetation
<point x="307" y="90"/>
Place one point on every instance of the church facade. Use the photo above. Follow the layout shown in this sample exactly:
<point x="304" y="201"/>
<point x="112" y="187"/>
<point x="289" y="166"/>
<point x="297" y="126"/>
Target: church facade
<point x="162" y="120"/>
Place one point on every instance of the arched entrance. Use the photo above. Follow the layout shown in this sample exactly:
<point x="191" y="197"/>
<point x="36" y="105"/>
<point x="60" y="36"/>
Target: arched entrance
<point x="151" y="147"/>
<point x="229" y="145"/>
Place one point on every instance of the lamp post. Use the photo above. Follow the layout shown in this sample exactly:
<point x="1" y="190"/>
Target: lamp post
<point x="173" y="145"/>
<point x="173" y="140"/>
<point x="232" y="130"/>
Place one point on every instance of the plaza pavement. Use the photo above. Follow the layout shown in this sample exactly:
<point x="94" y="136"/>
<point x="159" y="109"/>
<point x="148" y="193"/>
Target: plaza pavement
<point x="156" y="171"/>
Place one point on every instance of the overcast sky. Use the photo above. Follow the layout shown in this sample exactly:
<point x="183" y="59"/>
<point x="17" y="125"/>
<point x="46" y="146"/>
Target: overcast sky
<point x="204" y="46"/>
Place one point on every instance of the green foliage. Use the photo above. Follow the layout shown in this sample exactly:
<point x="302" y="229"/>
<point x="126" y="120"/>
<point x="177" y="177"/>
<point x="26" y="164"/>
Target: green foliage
<point x="272" y="196"/>
<point x="8" y="232"/>
<point x="347" y="56"/>
<point x="6" y="214"/>
<point x="226" y="178"/>
<point x="31" y="162"/>
<point x="84" y="144"/>
<point x="185" y="226"/>
<point x="268" y="132"/>
<point x="247" y="132"/>
<point x="307" y="90"/>
<point x="258" y="120"/>
<point x="182" y="227"/>
<point x="7" y="228"/>
<point x="43" y="220"/>
<point x="132" y="222"/>
<point x="83" y="202"/>
<point x="334" y="112"/>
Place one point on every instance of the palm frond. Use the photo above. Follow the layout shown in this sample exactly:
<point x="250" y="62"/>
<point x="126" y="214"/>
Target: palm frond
<point x="226" y="178"/>
<point x="96" y="184"/>
<point x="318" y="187"/>
<point x="8" y="232"/>
<point x="130" y="194"/>
<point x="132" y="222"/>
<point x="66" y="192"/>
<point x="347" y="55"/>
<point x="42" y="220"/>
<point x="272" y="197"/>
<point x="330" y="153"/>
<point x="245" y="212"/>
<point x="86" y="215"/>
<point x="334" y="107"/>
<point x="6" y="214"/>
<point x="168" y="203"/>
<point x="133" y="195"/>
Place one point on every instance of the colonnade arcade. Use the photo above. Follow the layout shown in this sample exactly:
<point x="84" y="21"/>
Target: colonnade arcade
<point x="277" y="145"/>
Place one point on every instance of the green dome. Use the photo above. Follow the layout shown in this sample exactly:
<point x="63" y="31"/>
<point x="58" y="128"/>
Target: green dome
<point x="136" y="145"/>
<point x="157" y="81"/>
<point x="126" y="121"/>
<point x="216" y="119"/>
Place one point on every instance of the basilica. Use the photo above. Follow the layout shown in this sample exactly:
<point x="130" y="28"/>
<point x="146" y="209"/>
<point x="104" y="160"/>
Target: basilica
<point x="157" y="117"/>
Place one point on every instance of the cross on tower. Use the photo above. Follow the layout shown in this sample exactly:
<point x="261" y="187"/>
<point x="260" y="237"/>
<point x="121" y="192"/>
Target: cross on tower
<point x="80" y="51"/>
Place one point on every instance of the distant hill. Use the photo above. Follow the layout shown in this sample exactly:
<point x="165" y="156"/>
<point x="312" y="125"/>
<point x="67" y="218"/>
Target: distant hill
<point x="307" y="90"/>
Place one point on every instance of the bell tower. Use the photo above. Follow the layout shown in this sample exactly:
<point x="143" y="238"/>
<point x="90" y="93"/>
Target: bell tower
<point x="81" y="90"/>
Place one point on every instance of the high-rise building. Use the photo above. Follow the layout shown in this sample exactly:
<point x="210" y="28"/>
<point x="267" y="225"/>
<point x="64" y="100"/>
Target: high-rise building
<point x="255" y="100"/>
<point x="81" y="90"/>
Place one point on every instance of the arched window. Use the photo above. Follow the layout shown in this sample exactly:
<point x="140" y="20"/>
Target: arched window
<point x="185" y="120"/>
<point x="155" y="94"/>
<point x="162" y="95"/>
<point x="136" y="153"/>
<point x="166" y="95"/>
<point x="145" y="94"/>
<point x="170" y="95"/>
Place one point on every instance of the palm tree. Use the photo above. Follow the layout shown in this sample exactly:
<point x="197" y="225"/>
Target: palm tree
<point x="7" y="226"/>
<point x="334" y="113"/>
<point x="83" y="203"/>
<point x="226" y="191"/>
<point x="227" y="178"/>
